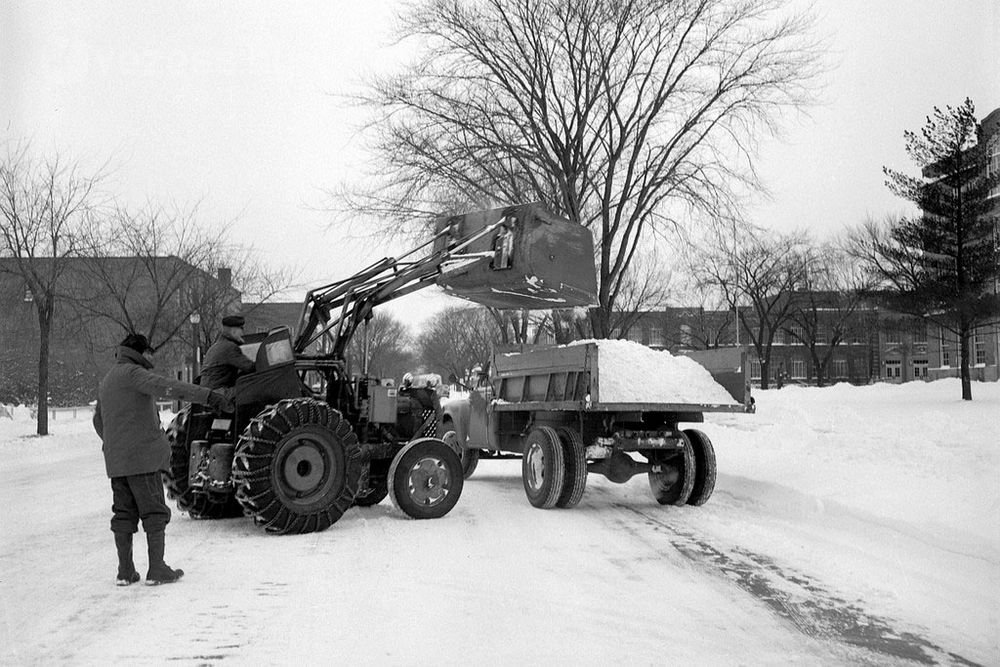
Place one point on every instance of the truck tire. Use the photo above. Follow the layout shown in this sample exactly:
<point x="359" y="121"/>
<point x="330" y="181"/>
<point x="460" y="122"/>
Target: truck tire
<point x="575" y="460"/>
<point x="543" y="469"/>
<point x="673" y="485"/>
<point x="175" y="479"/>
<point x="425" y="479"/>
<point x="704" y="467"/>
<point x="469" y="457"/>
<point x="297" y="467"/>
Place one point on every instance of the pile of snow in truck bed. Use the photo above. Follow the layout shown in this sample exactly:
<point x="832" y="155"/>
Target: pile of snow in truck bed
<point x="633" y="373"/>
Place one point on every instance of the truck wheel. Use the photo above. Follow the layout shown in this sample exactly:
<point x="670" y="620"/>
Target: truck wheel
<point x="469" y="457"/>
<point x="575" y="460"/>
<point x="543" y="469"/>
<point x="704" y="467"/>
<point x="425" y="479"/>
<point x="297" y="467"/>
<point x="673" y="485"/>
<point x="175" y="479"/>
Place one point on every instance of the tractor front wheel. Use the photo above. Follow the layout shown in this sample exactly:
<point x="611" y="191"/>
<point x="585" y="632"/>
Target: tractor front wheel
<point x="425" y="479"/>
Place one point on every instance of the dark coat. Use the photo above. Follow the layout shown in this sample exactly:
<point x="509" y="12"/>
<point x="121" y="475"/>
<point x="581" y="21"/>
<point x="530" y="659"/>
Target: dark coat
<point x="224" y="363"/>
<point x="126" y="417"/>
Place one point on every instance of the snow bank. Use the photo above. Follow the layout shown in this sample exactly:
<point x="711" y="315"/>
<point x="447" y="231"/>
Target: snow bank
<point x="634" y="373"/>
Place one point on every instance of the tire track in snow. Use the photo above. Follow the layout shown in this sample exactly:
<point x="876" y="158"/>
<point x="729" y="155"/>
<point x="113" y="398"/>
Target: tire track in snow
<point x="809" y="607"/>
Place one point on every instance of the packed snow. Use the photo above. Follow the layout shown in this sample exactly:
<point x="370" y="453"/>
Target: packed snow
<point x="633" y="373"/>
<point x="850" y="525"/>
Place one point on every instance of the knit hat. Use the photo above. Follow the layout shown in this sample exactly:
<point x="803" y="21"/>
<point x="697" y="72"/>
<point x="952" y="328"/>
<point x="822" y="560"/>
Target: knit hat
<point x="137" y="342"/>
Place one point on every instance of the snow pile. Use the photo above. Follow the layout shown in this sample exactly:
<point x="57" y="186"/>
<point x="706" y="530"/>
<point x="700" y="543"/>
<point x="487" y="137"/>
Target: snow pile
<point x="633" y="373"/>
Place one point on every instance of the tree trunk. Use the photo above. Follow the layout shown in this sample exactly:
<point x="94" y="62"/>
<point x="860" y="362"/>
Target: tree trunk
<point x="44" y="329"/>
<point x="765" y="368"/>
<point x="964" y="336"/>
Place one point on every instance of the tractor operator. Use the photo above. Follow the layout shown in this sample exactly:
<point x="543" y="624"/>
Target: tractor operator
<point x="224" y="361"/>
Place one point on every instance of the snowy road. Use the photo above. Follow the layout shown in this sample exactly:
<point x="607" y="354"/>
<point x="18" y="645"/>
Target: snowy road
<point x="765" y="573"/>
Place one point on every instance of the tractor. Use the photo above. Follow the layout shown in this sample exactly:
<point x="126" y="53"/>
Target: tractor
<point x="308" y="439"/>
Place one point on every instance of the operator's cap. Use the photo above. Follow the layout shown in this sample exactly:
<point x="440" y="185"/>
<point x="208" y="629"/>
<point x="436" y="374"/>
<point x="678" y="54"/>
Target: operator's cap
<point x="233" y="321"/>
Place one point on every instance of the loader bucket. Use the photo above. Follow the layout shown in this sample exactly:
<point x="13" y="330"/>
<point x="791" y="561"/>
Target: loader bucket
<point x="536" y="260"/>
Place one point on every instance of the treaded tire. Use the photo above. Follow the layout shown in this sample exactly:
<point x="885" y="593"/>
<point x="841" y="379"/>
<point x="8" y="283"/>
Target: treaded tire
<point x="704" y="468"/>
<point x="543" y="470"/>
<point x="297" y="467"/>
<point x="674" y="486"/>
<point x="575" y="461"/>
<point x="425" y="479"/>
<point x="469" y="457"/>
<point x="175" y="479"/>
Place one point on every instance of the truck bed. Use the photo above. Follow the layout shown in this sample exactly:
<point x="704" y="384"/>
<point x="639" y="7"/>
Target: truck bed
<point x="633" y="379"/>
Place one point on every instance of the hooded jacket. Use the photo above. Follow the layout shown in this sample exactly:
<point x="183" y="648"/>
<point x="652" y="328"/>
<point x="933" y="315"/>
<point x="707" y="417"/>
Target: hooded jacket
<point x="126" y="417"/>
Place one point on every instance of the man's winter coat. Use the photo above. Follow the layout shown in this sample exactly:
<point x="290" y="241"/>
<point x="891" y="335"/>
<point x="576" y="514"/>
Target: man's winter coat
<point x="126" y="417"/>
<point x="224" y="363"/>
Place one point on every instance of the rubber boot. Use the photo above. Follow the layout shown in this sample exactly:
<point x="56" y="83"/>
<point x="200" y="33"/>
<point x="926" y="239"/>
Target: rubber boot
<point x="127" y="574"/>
<point x="159" y="572"/>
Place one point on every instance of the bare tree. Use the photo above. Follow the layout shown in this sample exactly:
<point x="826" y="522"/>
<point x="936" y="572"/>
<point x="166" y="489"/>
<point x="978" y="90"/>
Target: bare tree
<point x="756" y="271"/>
<point x="386" y="341"/>
<point x="826" y="312"/>
<point x="626" y="117"/>
<point x="457" y="340"/>
<point x="43" y="205"/>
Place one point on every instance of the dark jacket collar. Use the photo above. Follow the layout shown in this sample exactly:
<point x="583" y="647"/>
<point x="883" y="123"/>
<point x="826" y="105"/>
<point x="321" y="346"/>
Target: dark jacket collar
<point x="228" y="337"/>
<point x="127" y="355"/>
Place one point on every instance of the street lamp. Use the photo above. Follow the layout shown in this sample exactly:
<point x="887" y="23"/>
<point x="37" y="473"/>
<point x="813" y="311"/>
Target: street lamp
<point x="195" y="320"/>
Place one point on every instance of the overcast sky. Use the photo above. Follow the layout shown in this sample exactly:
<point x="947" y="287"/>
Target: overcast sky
<point x="236" y="105"/>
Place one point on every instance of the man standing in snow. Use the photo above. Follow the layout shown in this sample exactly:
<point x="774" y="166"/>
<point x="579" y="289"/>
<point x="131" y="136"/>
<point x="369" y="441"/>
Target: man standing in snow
<point x="224" y="361"/>
<point x="136" y="450"/>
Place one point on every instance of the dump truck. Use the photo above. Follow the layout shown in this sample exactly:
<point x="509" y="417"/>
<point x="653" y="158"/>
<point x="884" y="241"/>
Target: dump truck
<point x="593" y="407"/>
<point x="310" y="437"/>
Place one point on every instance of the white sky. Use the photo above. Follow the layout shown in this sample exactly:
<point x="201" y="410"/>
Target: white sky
<point x="235" y="105"/>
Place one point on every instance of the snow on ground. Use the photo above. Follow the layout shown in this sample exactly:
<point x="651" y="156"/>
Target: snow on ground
<point x="850" y="525"/>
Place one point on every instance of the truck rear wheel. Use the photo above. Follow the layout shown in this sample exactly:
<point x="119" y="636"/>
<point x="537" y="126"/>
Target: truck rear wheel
<point x="175" y="479"/>
<point x="575" y="460"/>
<point x="704" y="467"/>
<point x="673" y="485"/>
<point x="297" y="467"/>
<point x="425" y="479"/>
<point x="543" y="468"/>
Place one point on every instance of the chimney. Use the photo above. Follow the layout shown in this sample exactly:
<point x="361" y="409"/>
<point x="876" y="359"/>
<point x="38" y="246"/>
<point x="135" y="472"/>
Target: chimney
<point x="226" y="277"/>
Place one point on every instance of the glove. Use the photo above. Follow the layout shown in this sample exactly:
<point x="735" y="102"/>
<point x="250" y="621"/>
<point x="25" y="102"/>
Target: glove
<point x="220" y="402"/>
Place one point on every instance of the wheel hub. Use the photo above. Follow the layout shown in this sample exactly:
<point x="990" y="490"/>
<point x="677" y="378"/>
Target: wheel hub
<point x="429" y="481"/>
<point x="536" y="466"/>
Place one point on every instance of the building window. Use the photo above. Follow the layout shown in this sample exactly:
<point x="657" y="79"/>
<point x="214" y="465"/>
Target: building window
<point x="919" y="369"/>
<point x="893" y="369"/>
<point x="686" y="339"/>
<point x="840" y="368"/>
<point x="920" y="333"/>
<point x="945" y="354"/>
<point x="798" y="369"/>
<point x="755" y="369"/>
<point x="979" y="345"/>
<point x="993" y="165"/>
<point x="656" y="337"/>
<point x="796" y="335"/>
<point x="892" y="336"/>
<point x="821" y="336"/>
<point x="635" y="334"/>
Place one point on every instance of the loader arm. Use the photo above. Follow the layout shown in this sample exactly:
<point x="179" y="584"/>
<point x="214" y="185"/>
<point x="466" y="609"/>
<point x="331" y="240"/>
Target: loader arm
<point x="335" y="311"/>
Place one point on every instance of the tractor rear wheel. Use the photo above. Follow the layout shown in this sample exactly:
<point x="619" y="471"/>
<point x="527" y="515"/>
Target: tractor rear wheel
<point x="297" y="467"/>
<point x="543" y="470"/>
<point x="704" y="467"/>
<point x="198" y="505"/>
<point x="425" y="479"/>
<point x="673" y="484"/>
